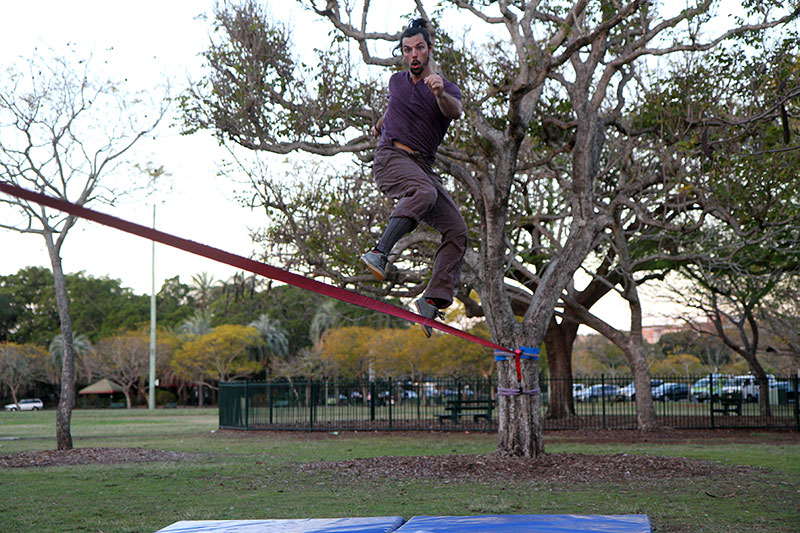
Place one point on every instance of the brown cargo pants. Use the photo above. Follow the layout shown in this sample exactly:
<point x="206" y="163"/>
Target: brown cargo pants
<point x="407" y="177"/>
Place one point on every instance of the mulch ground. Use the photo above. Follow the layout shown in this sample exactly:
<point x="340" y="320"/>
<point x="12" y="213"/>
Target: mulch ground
<point x="551" y="467"/>
<point x="85" y="456"/>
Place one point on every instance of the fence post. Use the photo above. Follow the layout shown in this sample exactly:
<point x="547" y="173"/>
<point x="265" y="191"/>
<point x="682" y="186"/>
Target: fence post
<point x="310" y="386"/>
<point x="372" y="401"/>
<point x="419" y="400"/>
<point x="711" y="397"/>
<point x="796" y="380"/>
<point x="491" y="404"/>
<point x="603" y="398"/>
<point x="246" y="407"/>
<point x="390" y="404"/>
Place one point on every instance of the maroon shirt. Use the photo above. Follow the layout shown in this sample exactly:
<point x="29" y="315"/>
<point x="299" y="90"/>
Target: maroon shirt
<point x="413" y="116"/>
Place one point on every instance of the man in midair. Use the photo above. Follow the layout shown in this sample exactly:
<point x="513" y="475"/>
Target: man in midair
<point x="422" y="104"/>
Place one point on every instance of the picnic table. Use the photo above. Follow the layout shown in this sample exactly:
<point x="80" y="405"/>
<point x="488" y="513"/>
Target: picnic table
<point x="457" y="408"/>
<point x="729" y="404"/>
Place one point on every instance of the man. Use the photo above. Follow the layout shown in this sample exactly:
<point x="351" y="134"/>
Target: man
<point x="421" y="106"/>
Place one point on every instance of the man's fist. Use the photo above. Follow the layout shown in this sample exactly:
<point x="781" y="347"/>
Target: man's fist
<point x="435" y="83"/>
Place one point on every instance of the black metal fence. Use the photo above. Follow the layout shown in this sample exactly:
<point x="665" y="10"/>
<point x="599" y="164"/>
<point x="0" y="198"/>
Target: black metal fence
<point x="601" y="402"/>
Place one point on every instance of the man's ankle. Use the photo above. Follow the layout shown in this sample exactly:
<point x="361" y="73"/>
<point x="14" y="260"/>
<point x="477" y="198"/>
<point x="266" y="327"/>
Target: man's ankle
<point x="439" y="303"/>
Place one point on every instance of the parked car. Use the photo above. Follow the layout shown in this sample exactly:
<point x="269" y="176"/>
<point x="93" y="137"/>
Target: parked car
<point x="409" y="394"/>
<point x="745" y="387"/>
<point x="671" y="391"/>
<point x="577" y="390"/>
<point x="596" y="392"/>
<point x="27" y="404"/>
<point x="381" y="398"/>
<point x="699" y="392"/>
<point x="452" y="394"/>
<point x="628" y="392"/>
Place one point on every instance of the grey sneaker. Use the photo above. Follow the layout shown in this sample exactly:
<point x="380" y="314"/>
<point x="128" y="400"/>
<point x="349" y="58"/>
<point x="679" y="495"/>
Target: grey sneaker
<point x="376" y="263"/>
<point x="428" y="310"/>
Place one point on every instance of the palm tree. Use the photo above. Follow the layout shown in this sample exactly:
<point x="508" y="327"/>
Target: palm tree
<point x="240" y="285"/>
<point x="276" y="341"/>
<point x="191" y="328"/>
<point x="80" y="344"/>
<point x="326" y="317"/>
<point x="198" y="324"/>
<point x="202" y="290"/>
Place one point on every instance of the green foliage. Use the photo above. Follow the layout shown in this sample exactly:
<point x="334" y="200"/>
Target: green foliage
<point x="164" y="397"/>
<point x="100" y="307"/>
<point x="31" y="315"/>
<point x="275" y="344"/>
<point x="174" y="303"/>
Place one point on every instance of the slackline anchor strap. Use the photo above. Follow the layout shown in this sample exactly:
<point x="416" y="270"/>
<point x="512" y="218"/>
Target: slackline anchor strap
<point x="501" y="391"/>
<point x="523" y="352"/>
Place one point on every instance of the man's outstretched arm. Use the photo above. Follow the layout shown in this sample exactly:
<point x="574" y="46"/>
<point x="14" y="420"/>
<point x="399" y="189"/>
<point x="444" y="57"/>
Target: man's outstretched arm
<point x="448" y="104"/>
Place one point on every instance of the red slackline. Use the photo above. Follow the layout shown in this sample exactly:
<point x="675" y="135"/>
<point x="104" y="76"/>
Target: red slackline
<point x="237" y="261"/>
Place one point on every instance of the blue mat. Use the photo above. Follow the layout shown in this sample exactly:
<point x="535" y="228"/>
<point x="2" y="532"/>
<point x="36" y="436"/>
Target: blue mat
<point x="375" y="524"/>
<point x="426" y="524"/>
<point x="528" y="523"/>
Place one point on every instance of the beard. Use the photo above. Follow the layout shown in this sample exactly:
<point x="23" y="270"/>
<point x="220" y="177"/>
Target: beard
<point x="417" y="68"/>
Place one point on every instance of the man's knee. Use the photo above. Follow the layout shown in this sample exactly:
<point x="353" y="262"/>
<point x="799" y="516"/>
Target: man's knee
<point x="425" y="195"/>
<point x="419" y="200"/>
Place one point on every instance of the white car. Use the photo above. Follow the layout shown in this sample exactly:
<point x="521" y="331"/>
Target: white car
<point x="28" y="404"/>
<point x="628" y="392"/>
<point x="598" y="392"/>
<point x="745" y="387"/>
<point x="577" y="390"/>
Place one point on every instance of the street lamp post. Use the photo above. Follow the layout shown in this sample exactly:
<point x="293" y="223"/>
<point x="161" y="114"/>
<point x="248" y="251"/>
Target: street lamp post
<point x="151" y="397"/>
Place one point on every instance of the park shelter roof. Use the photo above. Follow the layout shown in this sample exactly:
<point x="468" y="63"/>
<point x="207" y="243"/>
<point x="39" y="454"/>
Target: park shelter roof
<point x="104" y="386"/>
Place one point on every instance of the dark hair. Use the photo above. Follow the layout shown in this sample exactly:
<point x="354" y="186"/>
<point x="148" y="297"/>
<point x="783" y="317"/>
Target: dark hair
<point x="417" y="27"/>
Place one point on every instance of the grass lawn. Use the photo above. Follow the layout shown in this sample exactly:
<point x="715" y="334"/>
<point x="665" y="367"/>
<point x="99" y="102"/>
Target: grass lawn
<point x="252" y="475"/>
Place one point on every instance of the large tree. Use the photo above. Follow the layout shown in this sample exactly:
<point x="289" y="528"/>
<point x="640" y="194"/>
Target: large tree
<point x="540" y="92"/>
<point x="64" y="132"/>
<point x="125" y="359"/>
<point x="219" y="355"/>
<point x="746" y="164"/>
<point x="17" y="363"/>
<point x="781" y="312"/>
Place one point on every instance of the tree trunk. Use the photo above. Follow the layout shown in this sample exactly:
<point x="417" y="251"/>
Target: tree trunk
<point x="14" y="395"/>
<point x="520" y="428"/>
<point x="764" y="408"/>
<point x="645" y="410"/>
<point x="66" y="399"/>
<point x="559" y="341"/>
<point x="200" y="394"/>
<point x="634" y="350"/>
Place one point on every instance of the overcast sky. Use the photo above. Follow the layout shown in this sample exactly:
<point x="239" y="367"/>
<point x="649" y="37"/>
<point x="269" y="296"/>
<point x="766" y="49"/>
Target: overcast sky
<point x="144" y="42"/>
